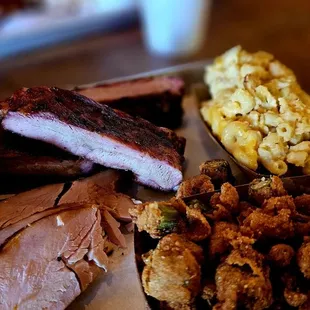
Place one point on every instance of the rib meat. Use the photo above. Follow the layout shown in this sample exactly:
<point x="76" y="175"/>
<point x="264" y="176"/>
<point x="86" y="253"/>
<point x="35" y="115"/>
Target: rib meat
<point x="157" y="99"/>
<point x="22" y="156"/>
<point x="97" y="132"/>
<point x="19" y="163"/>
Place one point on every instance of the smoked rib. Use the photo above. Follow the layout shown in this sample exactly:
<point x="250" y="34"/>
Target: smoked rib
<point x="98" y="133"/>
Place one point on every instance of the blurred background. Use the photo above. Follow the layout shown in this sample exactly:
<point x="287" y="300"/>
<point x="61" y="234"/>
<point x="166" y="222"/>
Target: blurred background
<point x="72" y="42"/>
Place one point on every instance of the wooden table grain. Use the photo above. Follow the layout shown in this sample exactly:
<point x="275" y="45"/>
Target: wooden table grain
<point x="279" y="27"/>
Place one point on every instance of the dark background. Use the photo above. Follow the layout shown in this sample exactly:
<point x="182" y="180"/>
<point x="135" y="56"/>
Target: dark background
<point x="279" y="27"/>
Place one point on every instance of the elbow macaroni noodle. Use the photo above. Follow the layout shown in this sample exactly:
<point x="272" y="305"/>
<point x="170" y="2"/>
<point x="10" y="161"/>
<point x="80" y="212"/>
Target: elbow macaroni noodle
<point x="258" y="111"/>
<point x="242" y="142"/>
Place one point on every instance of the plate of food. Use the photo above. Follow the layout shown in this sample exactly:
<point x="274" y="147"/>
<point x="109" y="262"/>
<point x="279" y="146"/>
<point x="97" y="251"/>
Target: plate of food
<point x="83" y="165"/>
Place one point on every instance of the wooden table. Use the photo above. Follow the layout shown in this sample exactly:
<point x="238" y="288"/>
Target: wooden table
<point x="280" y="27"/>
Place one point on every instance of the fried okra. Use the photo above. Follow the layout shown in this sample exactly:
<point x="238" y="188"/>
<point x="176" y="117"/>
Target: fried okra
<point x="243" y="279"/>
<point x="302" y="228"/>
<point x="209" y="292"/>
<point x="218" y="213"/>
<point x="165" y="217"/>
<point x="214" y="211"/>
<point x="306" y="304"/>
<point x="264" y="225"/>
<point x="262" y="189"/>
<point x="243" y="241"/>
<point x="172" y="270"/>
<point x="281" y="254"/>
<point x="303" y="259"/>
<point x="195" y="185"/>
<point x="275" y="219"/>
<point x="218" y="170"/>
<point x="273" y="205"/>
<point x="224" y="204"/>
<point x="198" y="227"/>
<point x="160" y="218"/>
<point x="229" y="197"/>
<point x="293" y="294"/>
<point x="303" y="204"/>
<point x="222" y="233"/>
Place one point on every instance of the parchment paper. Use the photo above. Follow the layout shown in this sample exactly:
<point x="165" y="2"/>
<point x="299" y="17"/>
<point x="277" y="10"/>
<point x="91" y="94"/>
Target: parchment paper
<point x="120" y="288"/>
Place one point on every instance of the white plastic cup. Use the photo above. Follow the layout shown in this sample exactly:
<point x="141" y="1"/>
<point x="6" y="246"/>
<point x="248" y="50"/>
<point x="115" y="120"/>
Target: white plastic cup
<point x="174" y="27"/>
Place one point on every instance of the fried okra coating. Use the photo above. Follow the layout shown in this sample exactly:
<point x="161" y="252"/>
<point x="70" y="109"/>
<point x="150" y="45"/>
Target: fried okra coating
<point x="172" y="270"/>
<point x="302" y="217"/>
<point x="274" y="219"/>
<point x="237" y="285"/>
<point x="261" y="189"/>
<point x="195" y="185"/>
<point x="209" y="292"/>
<point x="219" y="306"/>
<point x="216" y="211"/>
<point x="274" y="204"/>
<point x="292" y="294"/>
<point x="302" y="229"/>
<point x="294" y="299"/>
<point x="198" y="227"/>
<point x="277" y="186"/>
<point x="303" y="204"/>
<point x="159" y="218"/>
<point x="245" y="210"/>
<point x="215" y="200"/>
<point x="239" y="240"/>
<point x="229" y="197"/>
<point x="281" y="254"/>
<point x="175" y="240"/>
<point x="306" y="305"/>
<point x="219" y="213"/>
<point x="223" y="204"/>
<point x="243" y="254"/>
<point x="218" y="170"/>
<point x="226" y="236"/>
<point x="222" y="234"/>
<point x="275" y="226"/>
<point x="303" y="259"/>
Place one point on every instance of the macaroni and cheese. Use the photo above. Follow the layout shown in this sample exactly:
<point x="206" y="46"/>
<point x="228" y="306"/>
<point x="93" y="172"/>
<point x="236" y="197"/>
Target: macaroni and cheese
<point x="258" y="111"/>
